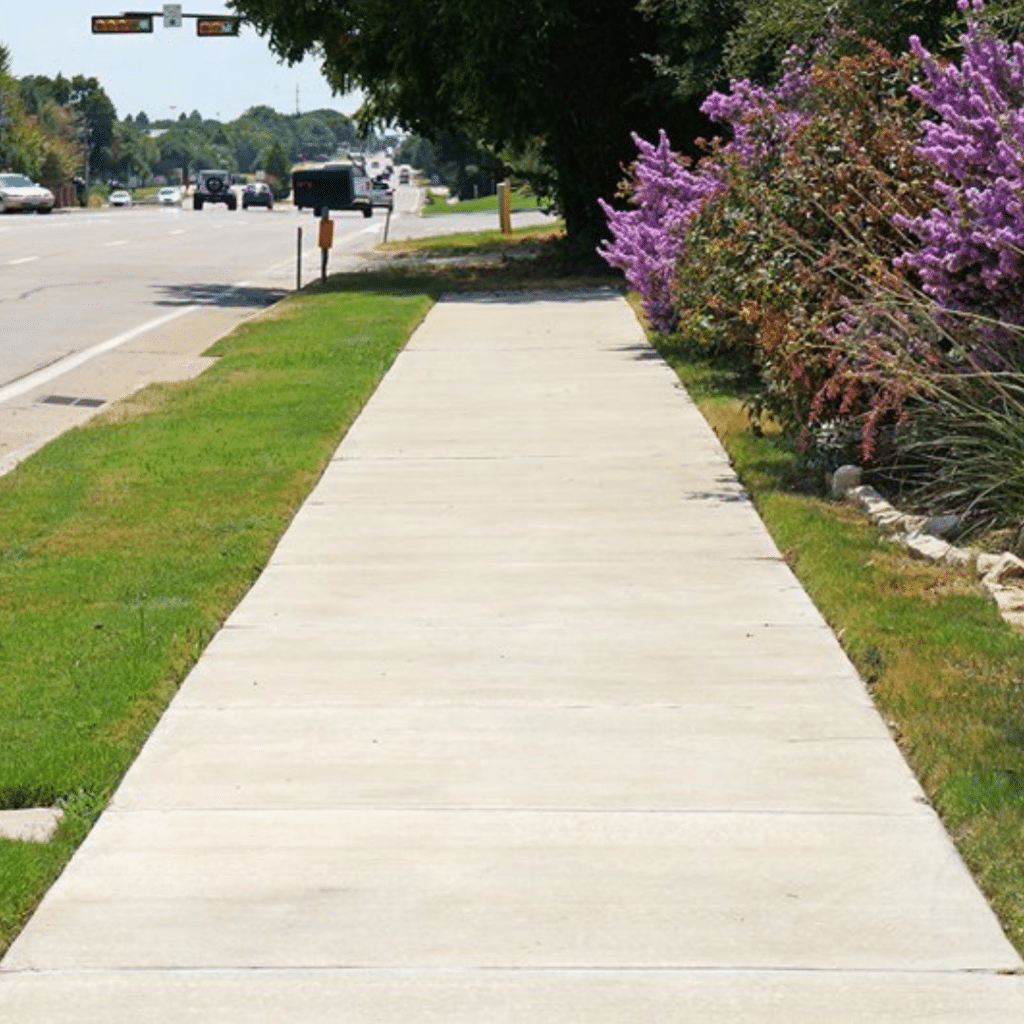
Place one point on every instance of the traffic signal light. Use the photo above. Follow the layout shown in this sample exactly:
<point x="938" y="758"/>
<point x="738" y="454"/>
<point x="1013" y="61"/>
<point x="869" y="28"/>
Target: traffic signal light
<point x="103" y="24"/>
<point x="217" y="26"/>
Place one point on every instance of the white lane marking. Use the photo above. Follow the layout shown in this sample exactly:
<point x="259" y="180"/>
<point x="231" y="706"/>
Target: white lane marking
<point x="178" y="231"/>
<point x="121" y="241"/>
<point x="54" y="370"/>
<point x="24" y="259"/>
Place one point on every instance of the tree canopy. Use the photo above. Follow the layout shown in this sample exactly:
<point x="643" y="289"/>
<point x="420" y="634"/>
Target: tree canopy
<point x="566" y="76"/>
<point x="568" y="80"/>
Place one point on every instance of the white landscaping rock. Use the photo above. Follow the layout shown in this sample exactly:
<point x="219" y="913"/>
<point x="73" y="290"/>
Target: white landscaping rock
<point x="926" y="547"/>
<point x="1008" y="571"/>
<point x="1001" y="575"/>
<point x="32" y="825"/>
<point x="844" y="479"/>
<point x="1005" y="582"/>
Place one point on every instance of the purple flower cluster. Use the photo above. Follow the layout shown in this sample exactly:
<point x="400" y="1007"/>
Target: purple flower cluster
<point x="647" y="241"/>
<point x="971" y="254"/>
<point x="761" y="120"/>
<point x="666" y="191"/>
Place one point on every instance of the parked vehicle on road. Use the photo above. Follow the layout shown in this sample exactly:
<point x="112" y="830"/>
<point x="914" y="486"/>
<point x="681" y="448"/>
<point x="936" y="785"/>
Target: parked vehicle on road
<point x="257" y="194"/>
<point x="169" y="196"/>
<point x="20" y="193"/>
<point x="120" y="198"/>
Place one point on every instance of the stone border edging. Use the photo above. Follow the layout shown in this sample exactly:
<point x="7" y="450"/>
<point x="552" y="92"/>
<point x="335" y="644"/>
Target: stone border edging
<point x="1001" y="575"/>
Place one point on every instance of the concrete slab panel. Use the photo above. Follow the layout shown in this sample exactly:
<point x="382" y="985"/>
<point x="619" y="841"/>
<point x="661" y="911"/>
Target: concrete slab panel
<point x="441" y="890"/>
<point x="422" y="666"/>
<point x="512" y="596"/>
<point x="807" y="758"/>
<point x="512" y="997"/>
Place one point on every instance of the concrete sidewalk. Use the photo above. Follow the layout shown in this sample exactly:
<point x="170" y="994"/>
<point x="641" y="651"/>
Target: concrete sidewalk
<point x="526" y="722"/>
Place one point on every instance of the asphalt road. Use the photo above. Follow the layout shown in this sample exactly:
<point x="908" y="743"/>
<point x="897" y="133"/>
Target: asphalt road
<point x="71" y="283"/>
<point x="74" y="283"/>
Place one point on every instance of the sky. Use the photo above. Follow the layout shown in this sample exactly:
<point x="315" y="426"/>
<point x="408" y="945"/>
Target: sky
<point x="166" y="73"/>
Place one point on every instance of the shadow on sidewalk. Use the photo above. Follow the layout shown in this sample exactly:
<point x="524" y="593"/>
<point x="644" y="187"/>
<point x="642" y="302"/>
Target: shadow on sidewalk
<point x="216" y="294"/>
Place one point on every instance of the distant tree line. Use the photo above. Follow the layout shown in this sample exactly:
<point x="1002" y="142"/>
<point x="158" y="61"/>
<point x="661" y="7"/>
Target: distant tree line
<point x="58" y="130"/>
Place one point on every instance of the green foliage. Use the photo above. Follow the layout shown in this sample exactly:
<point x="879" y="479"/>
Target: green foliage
<point x="758" y="44"/>
<point x="567" y="76"/>
<point x="693" y="35"/>
<point x="133" y="152"/>
<point x="778" y="264"/>
<point x="278" y="170"/>
<point x="22" y="144"/>
<point x="468" y="170"/>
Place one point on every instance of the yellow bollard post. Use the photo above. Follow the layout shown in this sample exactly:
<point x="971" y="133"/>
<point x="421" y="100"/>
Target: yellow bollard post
<point x="326" y="241"/>
<point x="505" y="205"/>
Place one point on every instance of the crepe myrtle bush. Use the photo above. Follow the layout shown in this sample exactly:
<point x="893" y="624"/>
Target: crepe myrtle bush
<point x="666" y="190"/>
<point x="647" y="241"/>
<point x="970" y="255"/>
<point x="780" y="264"/>
<point x="816" y="245"/>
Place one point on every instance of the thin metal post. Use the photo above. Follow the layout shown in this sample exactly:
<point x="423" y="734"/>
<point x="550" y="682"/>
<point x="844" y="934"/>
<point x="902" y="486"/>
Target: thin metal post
<point x="298" y="264"/>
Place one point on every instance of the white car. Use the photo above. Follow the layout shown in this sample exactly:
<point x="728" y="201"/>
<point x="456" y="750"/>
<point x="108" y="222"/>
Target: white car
<point x="381" y="194"/>
<point x="120" y="198"/>
<point x="20" y="193"/>
<point x="169" y="196"/>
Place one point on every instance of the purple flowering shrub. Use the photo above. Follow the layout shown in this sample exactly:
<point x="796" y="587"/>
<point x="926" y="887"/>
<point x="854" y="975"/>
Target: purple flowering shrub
<point x="647" y="241"/>
<point x="782" y="262"/>
<point x="851" y="246"/>
<point x="971" y="243"/>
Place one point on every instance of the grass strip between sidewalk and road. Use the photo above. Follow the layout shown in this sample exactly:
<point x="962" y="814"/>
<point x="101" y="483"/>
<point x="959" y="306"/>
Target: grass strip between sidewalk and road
<point x="520" y="202"/>
<point x="126" y="543"/>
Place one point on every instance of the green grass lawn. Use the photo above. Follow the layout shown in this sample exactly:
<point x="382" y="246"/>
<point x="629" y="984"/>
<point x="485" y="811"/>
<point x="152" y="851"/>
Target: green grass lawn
<point x="520" y="202"/>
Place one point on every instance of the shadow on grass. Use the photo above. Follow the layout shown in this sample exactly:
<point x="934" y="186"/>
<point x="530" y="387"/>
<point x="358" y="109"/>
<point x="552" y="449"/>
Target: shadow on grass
<point x="532" y="259"/>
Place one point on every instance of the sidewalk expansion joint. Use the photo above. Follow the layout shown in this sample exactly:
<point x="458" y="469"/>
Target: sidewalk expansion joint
<point x="509" y="971"/>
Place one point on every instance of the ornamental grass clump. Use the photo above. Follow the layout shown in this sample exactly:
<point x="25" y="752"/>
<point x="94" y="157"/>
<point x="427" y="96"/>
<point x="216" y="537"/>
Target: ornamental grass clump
<point x="963" y="449"/>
